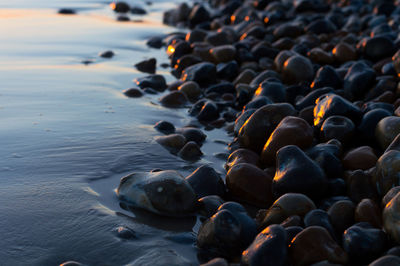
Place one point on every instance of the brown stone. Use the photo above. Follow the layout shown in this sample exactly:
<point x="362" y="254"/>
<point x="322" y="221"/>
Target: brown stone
<point x="314" y="244"/>
<point x="290" y="131"/>
<point x="344" y="52"/>
<point x="342" y="215"/>
<point x="223" y="53"/>
<point x="319" y="56"/>
<point x="360" y="158"/>
<point x="368" y="211"/>
<point x="386" y="130"/>
<point x="173" y="142"/>
<point x="241" y="156"/>
<point x="250" y="184"/>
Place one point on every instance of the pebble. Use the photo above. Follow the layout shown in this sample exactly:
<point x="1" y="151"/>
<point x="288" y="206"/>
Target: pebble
<point x="256" y="130"/>
<point x="107" y="54"/>
<point x="202" y="73"/>
<point x="297" y="68"/>
<point x="206" y="181"/>
<point x="120" y="7"/>
<point x="368" y="211"/>
<point x="191" y="89"/>
<point x="386" y="130"/>
<point x="363" y="243"/>
<point x="174" y="99"/>
<point x="341" y="214"/>
<point x="66" y="11"/>
<point x="338" y="127"/>
<point x="173" y="142"/>
<point x="268" y="248"/>
<point x="163" y="192"/>
<point x="360" y="158"/>
<point x="388" y="260"/>
<point x="391" y="218"/>
<point x="290" y="131"/>
<point x="165" y="127"/>
<point x="285" y="206"/>
<point x="148" y="66"/>
<point x="241" y="156"/>
<point x="209" y="205"/>
<point x="133" y="93"/>
<point x="250" y="184"/>
<point x="156" y="82"/>
<point x="296" y="172"/>
<point x="190" y="151"/>
<point x="314" y="244"/>
<point x="387" y="174"/>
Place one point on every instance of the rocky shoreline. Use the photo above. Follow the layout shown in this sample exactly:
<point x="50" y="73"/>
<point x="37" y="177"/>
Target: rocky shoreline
<point x="308" y="90"/>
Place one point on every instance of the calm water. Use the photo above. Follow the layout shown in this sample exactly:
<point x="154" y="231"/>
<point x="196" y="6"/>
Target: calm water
<point x="67" y="135"/>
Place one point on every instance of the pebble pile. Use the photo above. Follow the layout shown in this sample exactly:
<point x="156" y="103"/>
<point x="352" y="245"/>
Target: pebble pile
<point x="309" y="92"/>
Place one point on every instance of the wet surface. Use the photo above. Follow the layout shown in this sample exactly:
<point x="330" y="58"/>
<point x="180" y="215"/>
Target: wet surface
<point x="68" y="134"/>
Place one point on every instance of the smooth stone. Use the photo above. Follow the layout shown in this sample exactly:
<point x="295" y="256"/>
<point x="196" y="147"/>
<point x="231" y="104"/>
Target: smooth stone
<point x="360" y="186"/>
<point x="173" y="142"/>
<point x="290" y="131"/>
<point x="377" y="48"/>
<point x="287" y="30"/>
<point x="163" y="192"/>
<point x="107" y="54"/>
<point x="242" y="119"/>
<point x="228" y="71"/>
<point x="281" y="58"/>
<point x="120" y="7"/>
<point x="133" y="93"/>
<point x="186" y="61"/>
<point x="268" y="248"/>
<point x="297" y="68"/>
<point x="321" y="26"/>
<point x="285" y="206"/>
<point x="174" y="99"/>
<point x="327" y="76"/>
<point x="321" y="218"/>
<point x="192" y="134"/>
<point x="165" y="127"/>
<point x="368" y="211"/>
<point x="206" y="181"/>
<point x="314" y="244"/>
<point x="148" y="66"/>
<point x="196" y="35"/>
<point x="387" y="172"/>
<point x="342" y="215"/>
<point x="221" y="88"/>
<point x="223" y="53"/>
<point x="218" y="38"/>
<point x="198" y="15"/>
<point x="337" y="127"/>
<point x="190" y="152"/>
<point x="363" y="243"/>
<point x="369" y="121"/>
<point x="155" y="42"/>
<point x="390" y="195"/>
<point x="396" y="61"/>
<point x="241" y="156"/>
<point x="155" y="81"/>
<point x="311" y="97"/>
<point x="216" y="262"/>
<point x="394" y="251"/>
<point x="66" y="11"/>
<point x="336" y="187"/>
<point x="391" y="218"/>
<point x="256" y="130"/>
<point x="257" y="103"/>
<point x="125" y="233"/>
<point x="208" y="112"/>
<point x="344" y="52"/>
<point x="227" y="233"/>
<point x="202" y="73"/>
<point x="325" y="263"/>
<point x="360" y="158"/>
<point x="327" y="155"/>
<point x="273" y="90"/>
<point x="394" y="145"/>
<point x="386" y="130"/>
<point x="388" y="260"/>
<point x="123" y="18"/>
<point x="245" y="77"/>
<point x="250" y="184"/>
<point x="358" y="80"/>
<point x="263" y="76"/>
<point x="178" y="49"/>
<point x="209" y="205"/>
<point x="320" y="56"/>
<point x="296" y="172"/>
<point x="332" y="104"/>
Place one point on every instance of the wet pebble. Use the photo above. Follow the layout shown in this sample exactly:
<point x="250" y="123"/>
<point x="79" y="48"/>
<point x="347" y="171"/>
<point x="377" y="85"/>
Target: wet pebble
<point x="172" y="142"/>
<point x="206" y="181"/>
<point x="133" y="93"/>
<point x="360" y="158"/>
<point x="107" y="54"/>
<point x="174" y="99"/>
<point x="165" y="127"/>
<point x="190" y="151"/>
<point x="148" y="66"/>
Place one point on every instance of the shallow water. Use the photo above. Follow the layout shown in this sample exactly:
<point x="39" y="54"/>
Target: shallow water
<point x="68" y="134"/>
